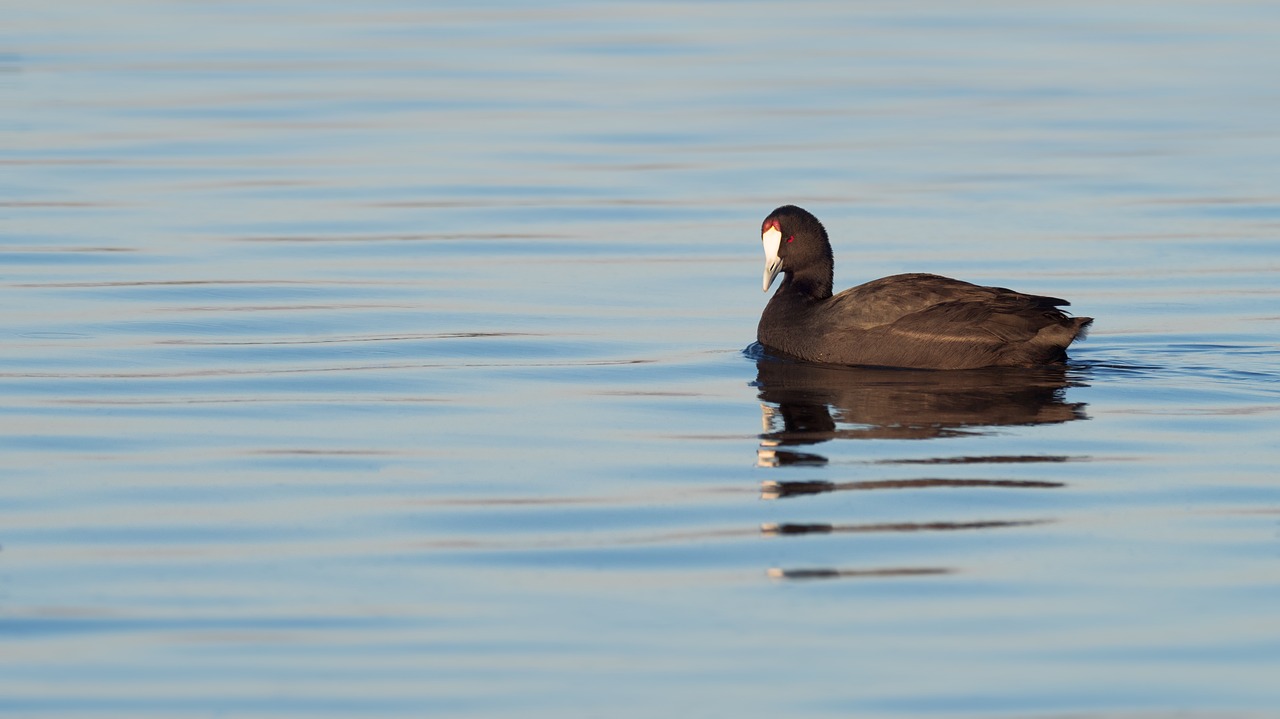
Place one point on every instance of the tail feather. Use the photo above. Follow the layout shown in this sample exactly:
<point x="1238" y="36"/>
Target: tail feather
<point x="1050" y="343"/>
<point x="1082" y="327"/>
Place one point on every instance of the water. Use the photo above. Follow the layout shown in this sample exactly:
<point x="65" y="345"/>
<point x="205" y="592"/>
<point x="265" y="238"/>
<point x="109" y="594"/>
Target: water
<point x="394" y="360"/>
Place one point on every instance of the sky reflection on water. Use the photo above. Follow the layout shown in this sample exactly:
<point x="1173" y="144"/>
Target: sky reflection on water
<point x="389" y="360"/>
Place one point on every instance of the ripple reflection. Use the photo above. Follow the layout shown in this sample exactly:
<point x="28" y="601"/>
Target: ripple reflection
<point x="804" y="406"/>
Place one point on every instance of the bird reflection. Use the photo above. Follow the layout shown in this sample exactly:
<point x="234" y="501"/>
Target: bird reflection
<point x="807" y="404"/>
<point x="778" y="490"/>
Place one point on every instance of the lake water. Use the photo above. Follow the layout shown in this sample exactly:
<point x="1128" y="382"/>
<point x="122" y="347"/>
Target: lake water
<point x="394" y="359"/>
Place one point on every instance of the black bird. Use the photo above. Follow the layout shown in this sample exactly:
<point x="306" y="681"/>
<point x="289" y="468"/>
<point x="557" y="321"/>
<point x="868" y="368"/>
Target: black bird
<point x="914" y="320"/>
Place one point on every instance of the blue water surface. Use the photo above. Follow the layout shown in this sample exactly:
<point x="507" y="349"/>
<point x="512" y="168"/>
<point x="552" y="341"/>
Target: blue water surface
<point x="391" y="359"/>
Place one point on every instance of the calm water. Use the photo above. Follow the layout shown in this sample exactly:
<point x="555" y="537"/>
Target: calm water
<point x="393" y="359"/>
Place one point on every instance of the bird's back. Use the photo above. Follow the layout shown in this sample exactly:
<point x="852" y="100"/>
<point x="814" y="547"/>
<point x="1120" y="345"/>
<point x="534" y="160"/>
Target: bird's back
<point x="921" y="320"/>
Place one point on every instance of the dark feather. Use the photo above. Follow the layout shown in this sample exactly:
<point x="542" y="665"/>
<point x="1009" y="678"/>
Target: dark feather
<point x="911" y="320"/>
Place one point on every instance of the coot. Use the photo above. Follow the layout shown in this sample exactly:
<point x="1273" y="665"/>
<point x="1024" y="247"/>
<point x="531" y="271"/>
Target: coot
<point x="913" y="320"/>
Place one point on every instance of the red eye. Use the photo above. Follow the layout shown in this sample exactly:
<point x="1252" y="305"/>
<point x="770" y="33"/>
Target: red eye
<point x="791" y="238"/>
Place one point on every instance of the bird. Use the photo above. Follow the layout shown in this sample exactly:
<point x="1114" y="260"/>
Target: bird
<point x="914" y="320"/>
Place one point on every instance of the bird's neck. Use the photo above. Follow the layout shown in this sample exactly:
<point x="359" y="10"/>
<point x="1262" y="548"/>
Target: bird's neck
<point x="813" y="283"/>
